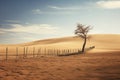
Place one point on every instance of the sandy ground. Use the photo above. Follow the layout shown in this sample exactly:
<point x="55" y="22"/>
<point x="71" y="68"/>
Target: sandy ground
<point x="91" y="66"/>
<point x="100" y="63"/>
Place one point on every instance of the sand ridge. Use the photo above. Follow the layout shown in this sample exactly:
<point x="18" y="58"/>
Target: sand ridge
<point x="101" y="42"/>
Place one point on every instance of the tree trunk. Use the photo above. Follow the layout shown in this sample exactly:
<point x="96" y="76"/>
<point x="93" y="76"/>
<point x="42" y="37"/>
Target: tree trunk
<point x="83" y="47"/>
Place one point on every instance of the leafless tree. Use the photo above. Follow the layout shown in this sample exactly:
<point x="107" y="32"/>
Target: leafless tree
<point x="82" y="31"/>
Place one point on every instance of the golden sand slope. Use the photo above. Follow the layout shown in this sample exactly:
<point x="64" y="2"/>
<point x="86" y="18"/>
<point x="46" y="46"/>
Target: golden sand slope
<point x="102" y="42"/>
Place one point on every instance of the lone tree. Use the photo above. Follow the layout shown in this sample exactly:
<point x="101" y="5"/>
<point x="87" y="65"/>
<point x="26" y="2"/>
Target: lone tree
<point x="82" y="31"/>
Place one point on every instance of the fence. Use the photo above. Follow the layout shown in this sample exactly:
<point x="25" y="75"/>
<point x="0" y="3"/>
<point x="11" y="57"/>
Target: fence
<point x="27" y="52"/>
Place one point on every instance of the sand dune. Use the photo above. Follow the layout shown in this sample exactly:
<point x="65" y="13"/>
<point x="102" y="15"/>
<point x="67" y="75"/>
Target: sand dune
<point x="102" y="42"/>
<point x="102" y="64"/>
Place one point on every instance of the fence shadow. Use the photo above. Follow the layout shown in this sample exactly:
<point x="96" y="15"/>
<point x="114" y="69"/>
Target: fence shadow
<point x="77" y="53"/>
<point x="69" y="54"/>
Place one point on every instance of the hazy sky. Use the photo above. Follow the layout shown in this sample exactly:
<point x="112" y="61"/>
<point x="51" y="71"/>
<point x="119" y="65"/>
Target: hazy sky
<point x="28" y="20"/>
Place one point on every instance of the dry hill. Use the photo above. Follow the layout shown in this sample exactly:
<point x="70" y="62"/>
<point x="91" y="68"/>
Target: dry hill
<point x="102" y="42"/>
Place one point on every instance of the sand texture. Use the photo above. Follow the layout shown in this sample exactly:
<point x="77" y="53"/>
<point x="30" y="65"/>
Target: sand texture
<point x="100" y="63"/>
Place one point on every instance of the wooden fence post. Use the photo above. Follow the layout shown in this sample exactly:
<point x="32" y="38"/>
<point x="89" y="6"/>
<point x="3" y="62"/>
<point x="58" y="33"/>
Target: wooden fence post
<point x="44" y="51"/>
<point x="57" y="52"/>
<point x="38" y="52"/>
<point x="26" y="52"/>
<point x="6" y="53"/>
<point x="33" y="51"/>
<point x="54" y="51"/>
<point x="48" y="52"/>
<point x="68" y="51"/>
<point x="63" y="52"/>
<point x="16" y="53"/>
<point x="51" y="52"/>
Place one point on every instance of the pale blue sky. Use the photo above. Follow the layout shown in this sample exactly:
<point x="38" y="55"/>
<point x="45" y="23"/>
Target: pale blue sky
<point x="28" y="20"/>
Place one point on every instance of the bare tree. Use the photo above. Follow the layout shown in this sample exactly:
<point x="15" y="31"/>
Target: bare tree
<point x="82" y="31"/>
